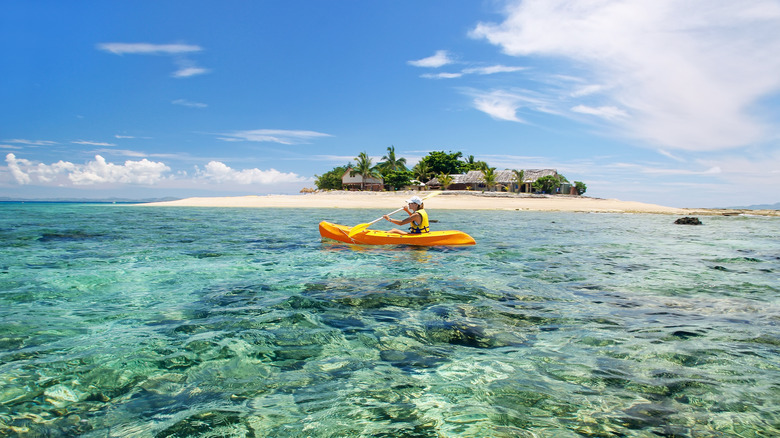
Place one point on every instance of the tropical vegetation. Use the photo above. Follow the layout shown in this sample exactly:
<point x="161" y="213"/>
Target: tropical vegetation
<point x="364" y="169"/>
<point x="390" y="163"/>
<point x="489" y="174"/>
<point x="548" y="184"/>
<point x="331" y="180"/>
<point x="445" y="180"/>
<point x="437" y="164"/>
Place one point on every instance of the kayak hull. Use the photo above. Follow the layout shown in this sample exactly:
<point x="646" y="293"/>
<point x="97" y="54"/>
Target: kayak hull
<point x="372" y="237"/>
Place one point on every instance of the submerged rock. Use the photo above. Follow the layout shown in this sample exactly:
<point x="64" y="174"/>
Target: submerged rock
<point x="688" y="221"/>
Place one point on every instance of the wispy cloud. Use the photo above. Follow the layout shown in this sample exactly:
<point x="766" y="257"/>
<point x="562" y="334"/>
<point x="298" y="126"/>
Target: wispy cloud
<point x="273" y="136"/>
<point x="148" y="49"/>
<point x="587" y="90"/>
<point x="439" y="59"/>
<point x="186" y="67"/>
<point x="605" y="112"/>
<point x="492" y="69"/>
<point x="187" y="103"/>
<point x="186" y="72"/>
<point x="691" y="74"/>
<point x="93" y="143"/>
<point x="31" y="142"/>
<point x="505" y="104"/>
<point x="668" y="154"/>
<point x="487" y="70"/>
<point x="499" y="105"/>
<point x="441" y="75"/>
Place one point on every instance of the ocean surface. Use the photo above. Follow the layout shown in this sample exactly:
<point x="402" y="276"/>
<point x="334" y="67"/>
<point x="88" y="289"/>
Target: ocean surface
<point x="169" y="322"/>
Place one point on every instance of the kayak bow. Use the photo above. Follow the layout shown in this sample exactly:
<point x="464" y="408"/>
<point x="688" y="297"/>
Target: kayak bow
<point x="373" y="237"/>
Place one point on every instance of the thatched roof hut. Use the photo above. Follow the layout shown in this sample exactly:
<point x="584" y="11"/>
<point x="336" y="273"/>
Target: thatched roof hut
<point x="475" y="180"/>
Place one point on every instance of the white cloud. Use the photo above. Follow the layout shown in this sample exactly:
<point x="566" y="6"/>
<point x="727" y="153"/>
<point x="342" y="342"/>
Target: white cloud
<point x="671" y="155"/>
<point x="99" y="171"/>
<point x="587" y="90"/>
<point x="187" y="103"/>
<point x="148" y="49"/>
<point x="186" y="68"/>
<point x="273" y="136"/>
<point x="186" y="72"/>
<point x="439" y="59"/>
<point x="441" y="75"/>
<point x="493" y="69"/>
<point x="219" y="172"/>
<point x="93" y="143"/>
<point x="665" y="171"/>
<point x="15" y="166"/>
<point x="131" y="172"/>
<point x="31" y="142"/>
<point x="504" y="105"/>
<point x="489" y="70"/>
<point x="499" y="105"/>
<point x="690" y="73"/>
<point x="605" y="112"/>
<point x="123" y="152"/>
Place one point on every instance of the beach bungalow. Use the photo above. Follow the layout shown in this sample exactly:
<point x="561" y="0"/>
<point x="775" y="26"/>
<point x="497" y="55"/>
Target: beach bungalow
<point x="357" y="183"/>
<point x="505" y="179"/>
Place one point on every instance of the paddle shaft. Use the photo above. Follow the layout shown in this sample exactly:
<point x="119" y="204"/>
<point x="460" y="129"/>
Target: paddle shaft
<point x="389" y="214"/>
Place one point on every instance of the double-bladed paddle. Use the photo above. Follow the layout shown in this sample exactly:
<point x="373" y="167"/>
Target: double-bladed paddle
<point x="361" y="227"/>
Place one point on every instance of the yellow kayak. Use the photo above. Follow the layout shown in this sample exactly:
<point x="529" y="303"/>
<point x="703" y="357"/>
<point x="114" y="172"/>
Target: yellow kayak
<point x="372" y="237"/>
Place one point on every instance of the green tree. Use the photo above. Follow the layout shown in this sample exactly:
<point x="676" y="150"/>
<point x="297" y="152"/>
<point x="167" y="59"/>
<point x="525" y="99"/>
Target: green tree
<point x="422" y="172"/>
<point x="581" y="187"/>
<point x="445" y="180"/>
<point x="390" y="163"/>
<point x="365" y="169"/>
<point x="470" y="164"/>
<point x="398" y="178"/>
<point x="331" y="180"/>
<point x="519" y="177"/>
<point x="547" y="184"/>
<point x="442" y="162"/>
<point x="489" y="174"/>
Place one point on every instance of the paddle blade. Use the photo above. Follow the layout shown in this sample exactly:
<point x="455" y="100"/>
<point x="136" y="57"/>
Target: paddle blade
<point x="357" y="229"/>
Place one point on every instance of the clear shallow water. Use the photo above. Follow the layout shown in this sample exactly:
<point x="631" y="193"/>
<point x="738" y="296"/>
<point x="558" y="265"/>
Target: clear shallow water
<point x="138" y="321"/>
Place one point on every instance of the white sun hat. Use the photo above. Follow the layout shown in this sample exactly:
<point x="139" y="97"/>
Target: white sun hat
<point x="414" y="200"/>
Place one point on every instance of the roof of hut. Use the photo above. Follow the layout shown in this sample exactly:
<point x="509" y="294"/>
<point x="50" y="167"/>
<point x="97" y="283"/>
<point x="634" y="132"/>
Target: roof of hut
<point x="502" y="176"/>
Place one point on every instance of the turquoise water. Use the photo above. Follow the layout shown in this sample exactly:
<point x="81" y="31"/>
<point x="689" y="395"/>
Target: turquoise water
<point x="141" y="321"/>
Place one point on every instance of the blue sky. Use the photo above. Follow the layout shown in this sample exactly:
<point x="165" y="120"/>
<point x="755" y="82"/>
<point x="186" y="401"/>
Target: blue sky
<point x="674" y="102"/>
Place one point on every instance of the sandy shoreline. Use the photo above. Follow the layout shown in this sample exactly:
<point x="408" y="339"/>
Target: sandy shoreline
<point x="450" y="201"/>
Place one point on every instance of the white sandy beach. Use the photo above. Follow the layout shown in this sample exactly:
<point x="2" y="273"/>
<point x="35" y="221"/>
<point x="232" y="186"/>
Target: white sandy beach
<point x="446" y="201"/>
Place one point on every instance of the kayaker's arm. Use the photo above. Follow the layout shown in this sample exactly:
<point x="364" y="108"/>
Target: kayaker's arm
<point x="412" y="217"/>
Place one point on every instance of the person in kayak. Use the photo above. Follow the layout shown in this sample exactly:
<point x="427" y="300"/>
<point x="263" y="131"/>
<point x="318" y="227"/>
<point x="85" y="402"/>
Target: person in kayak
<point x="418" y="218"/>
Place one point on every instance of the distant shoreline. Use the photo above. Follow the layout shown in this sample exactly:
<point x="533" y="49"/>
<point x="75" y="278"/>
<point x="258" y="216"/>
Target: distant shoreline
<point x="452" y="200"/>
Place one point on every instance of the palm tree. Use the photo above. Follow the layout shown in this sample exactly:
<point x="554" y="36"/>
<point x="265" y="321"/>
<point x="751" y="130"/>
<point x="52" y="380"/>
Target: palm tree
<point x="364" y="169"/>
<point x="470" y="163"/>
<point x="489" y="174"/>
<point x="390" y="163"/>
<point x="519" y="177"/>
<point x="445" y="180"/>
<point x="422" y="172"/>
